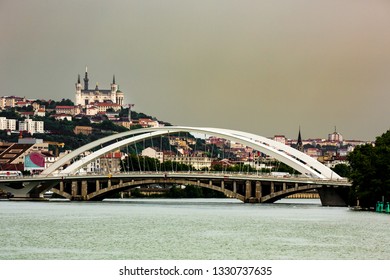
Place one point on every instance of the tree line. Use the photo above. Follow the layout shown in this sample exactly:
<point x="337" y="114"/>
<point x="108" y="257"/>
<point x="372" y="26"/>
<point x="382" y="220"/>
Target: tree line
<point x="370" y="172"/>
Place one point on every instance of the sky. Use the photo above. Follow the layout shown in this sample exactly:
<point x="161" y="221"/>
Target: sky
<point x="261" y="66"/>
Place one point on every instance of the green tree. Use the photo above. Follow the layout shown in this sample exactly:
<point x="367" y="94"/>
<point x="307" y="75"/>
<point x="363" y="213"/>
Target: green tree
<point x="84" y="121"/>
<point x="65" y="102"/>
<point x="139" y="163"/>
<point x="370" y="171"/>
<point x="342" y="169"/>
<point x="10" y="114"/>
<point x="109" y="126"/>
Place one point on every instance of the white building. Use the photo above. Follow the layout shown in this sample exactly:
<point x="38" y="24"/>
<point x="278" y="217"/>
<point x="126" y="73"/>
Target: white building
<point x="10" y="101"/>
<point x="281" y="139"/>
<point x="31" y="126"/>
<point x="109" y="163"/>
<point x="91" y="110"/>
<point x="7" y="124"/>
<point x="197" y="162"/>
<point x="153" y="153"/>
<point x="40" y="112"/>
<point x="62" y="117"/>
<point x="149" y="123"/>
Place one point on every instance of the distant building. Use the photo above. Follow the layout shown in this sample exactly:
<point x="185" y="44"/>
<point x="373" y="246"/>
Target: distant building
<point x="144" y="122"/>
<point x="26" y="114"/>
<point x="10" y="101"/>
<point x="7" y="124"/>
<point x="91" y="110"/>
<point x="197" y="162"/>
<point x="69" y="110"/>
<point x="41" y="112"/>
<point x="111" y="162"/>
<point x="313" y="152"/>
<point x="31" y="126"/>
<point x="85" y="95"/>
<point x="124" y="123"/>
<point x="281" y="139"/>
<point x="86" y="130"/>
<point x="62" y="117"/>
<point x="13" y="154"/>
<point x="104" y="106"/>
<point x="153" y="153"/>
<point x="335" y="136"/>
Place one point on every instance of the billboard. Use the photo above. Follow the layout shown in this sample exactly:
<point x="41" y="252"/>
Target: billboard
<point x="34" y="161"/>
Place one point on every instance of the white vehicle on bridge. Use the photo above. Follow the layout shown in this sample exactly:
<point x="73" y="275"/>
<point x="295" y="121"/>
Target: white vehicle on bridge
<point x="280" y="174"/>
<point x="10" y="173"/>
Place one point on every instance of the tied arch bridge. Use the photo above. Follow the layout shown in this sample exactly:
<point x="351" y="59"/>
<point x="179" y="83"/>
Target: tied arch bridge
<point x="64" y="178"/>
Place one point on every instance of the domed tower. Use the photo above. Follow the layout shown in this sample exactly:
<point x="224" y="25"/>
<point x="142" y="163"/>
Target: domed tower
<point x="119" y="97"/>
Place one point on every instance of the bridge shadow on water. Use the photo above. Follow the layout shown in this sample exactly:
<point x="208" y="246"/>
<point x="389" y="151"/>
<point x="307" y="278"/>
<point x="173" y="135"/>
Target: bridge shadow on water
<point x="173" y="201"/>
<point x="212" y="201"/>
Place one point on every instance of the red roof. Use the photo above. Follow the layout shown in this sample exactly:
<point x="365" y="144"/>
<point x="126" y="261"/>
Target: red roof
<point x="106" y="104"/>
<point x="62" y="115"/>
<point x="113" y="155"/>
<point x="64" y="107"/>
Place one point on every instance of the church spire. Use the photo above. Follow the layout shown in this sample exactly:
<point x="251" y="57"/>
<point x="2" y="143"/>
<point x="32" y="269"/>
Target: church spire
<point x="86" y="79"/>
<point x="78" y="79"/>
<point x="299" y="146"/>
<point x="113" y="79"/>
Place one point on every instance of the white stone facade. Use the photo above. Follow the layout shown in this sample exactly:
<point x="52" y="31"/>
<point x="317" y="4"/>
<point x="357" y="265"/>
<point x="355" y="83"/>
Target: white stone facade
<point x="85" y="95"/>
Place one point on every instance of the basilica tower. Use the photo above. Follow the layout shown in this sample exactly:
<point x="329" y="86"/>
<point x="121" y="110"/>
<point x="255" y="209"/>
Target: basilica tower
<point x="78" y="90"/>
<point x="86" y="80"/>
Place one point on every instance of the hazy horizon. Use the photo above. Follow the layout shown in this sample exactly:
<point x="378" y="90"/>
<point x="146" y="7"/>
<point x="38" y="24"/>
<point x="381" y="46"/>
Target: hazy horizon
<point x="265" y="67"/>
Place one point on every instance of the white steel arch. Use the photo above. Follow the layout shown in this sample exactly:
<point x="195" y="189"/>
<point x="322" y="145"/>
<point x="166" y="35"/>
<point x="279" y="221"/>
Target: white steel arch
<point x="290" y="156"/>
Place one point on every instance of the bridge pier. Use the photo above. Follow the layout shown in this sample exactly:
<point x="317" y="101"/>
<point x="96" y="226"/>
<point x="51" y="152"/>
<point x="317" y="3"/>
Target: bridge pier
<point x="84" y="189"/>
<point x="258" y="191"/>
<point x="97" y="185"/>
<point x="333" y="196"/>
<point x="248" y="190"/>
<point x="74" y="189"/>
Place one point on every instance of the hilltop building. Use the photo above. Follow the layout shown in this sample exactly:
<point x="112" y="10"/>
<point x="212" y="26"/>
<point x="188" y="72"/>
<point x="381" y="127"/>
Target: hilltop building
<point x="335" y="136"/>
<point x="85" y="95"/>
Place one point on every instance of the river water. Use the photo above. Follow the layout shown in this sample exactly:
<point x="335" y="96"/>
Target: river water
<point x="208" y="229"/>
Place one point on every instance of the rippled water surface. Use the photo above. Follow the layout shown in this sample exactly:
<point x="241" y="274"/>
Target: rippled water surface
<point x="190" y="229"/>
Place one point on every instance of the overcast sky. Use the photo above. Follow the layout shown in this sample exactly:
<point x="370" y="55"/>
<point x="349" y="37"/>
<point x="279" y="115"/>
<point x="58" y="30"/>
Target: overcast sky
<point x="261" y="66"/>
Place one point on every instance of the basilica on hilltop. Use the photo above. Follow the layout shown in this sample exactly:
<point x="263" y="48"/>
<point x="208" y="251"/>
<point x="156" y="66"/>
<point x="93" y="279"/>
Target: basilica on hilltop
<point x="86" y="96"/>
